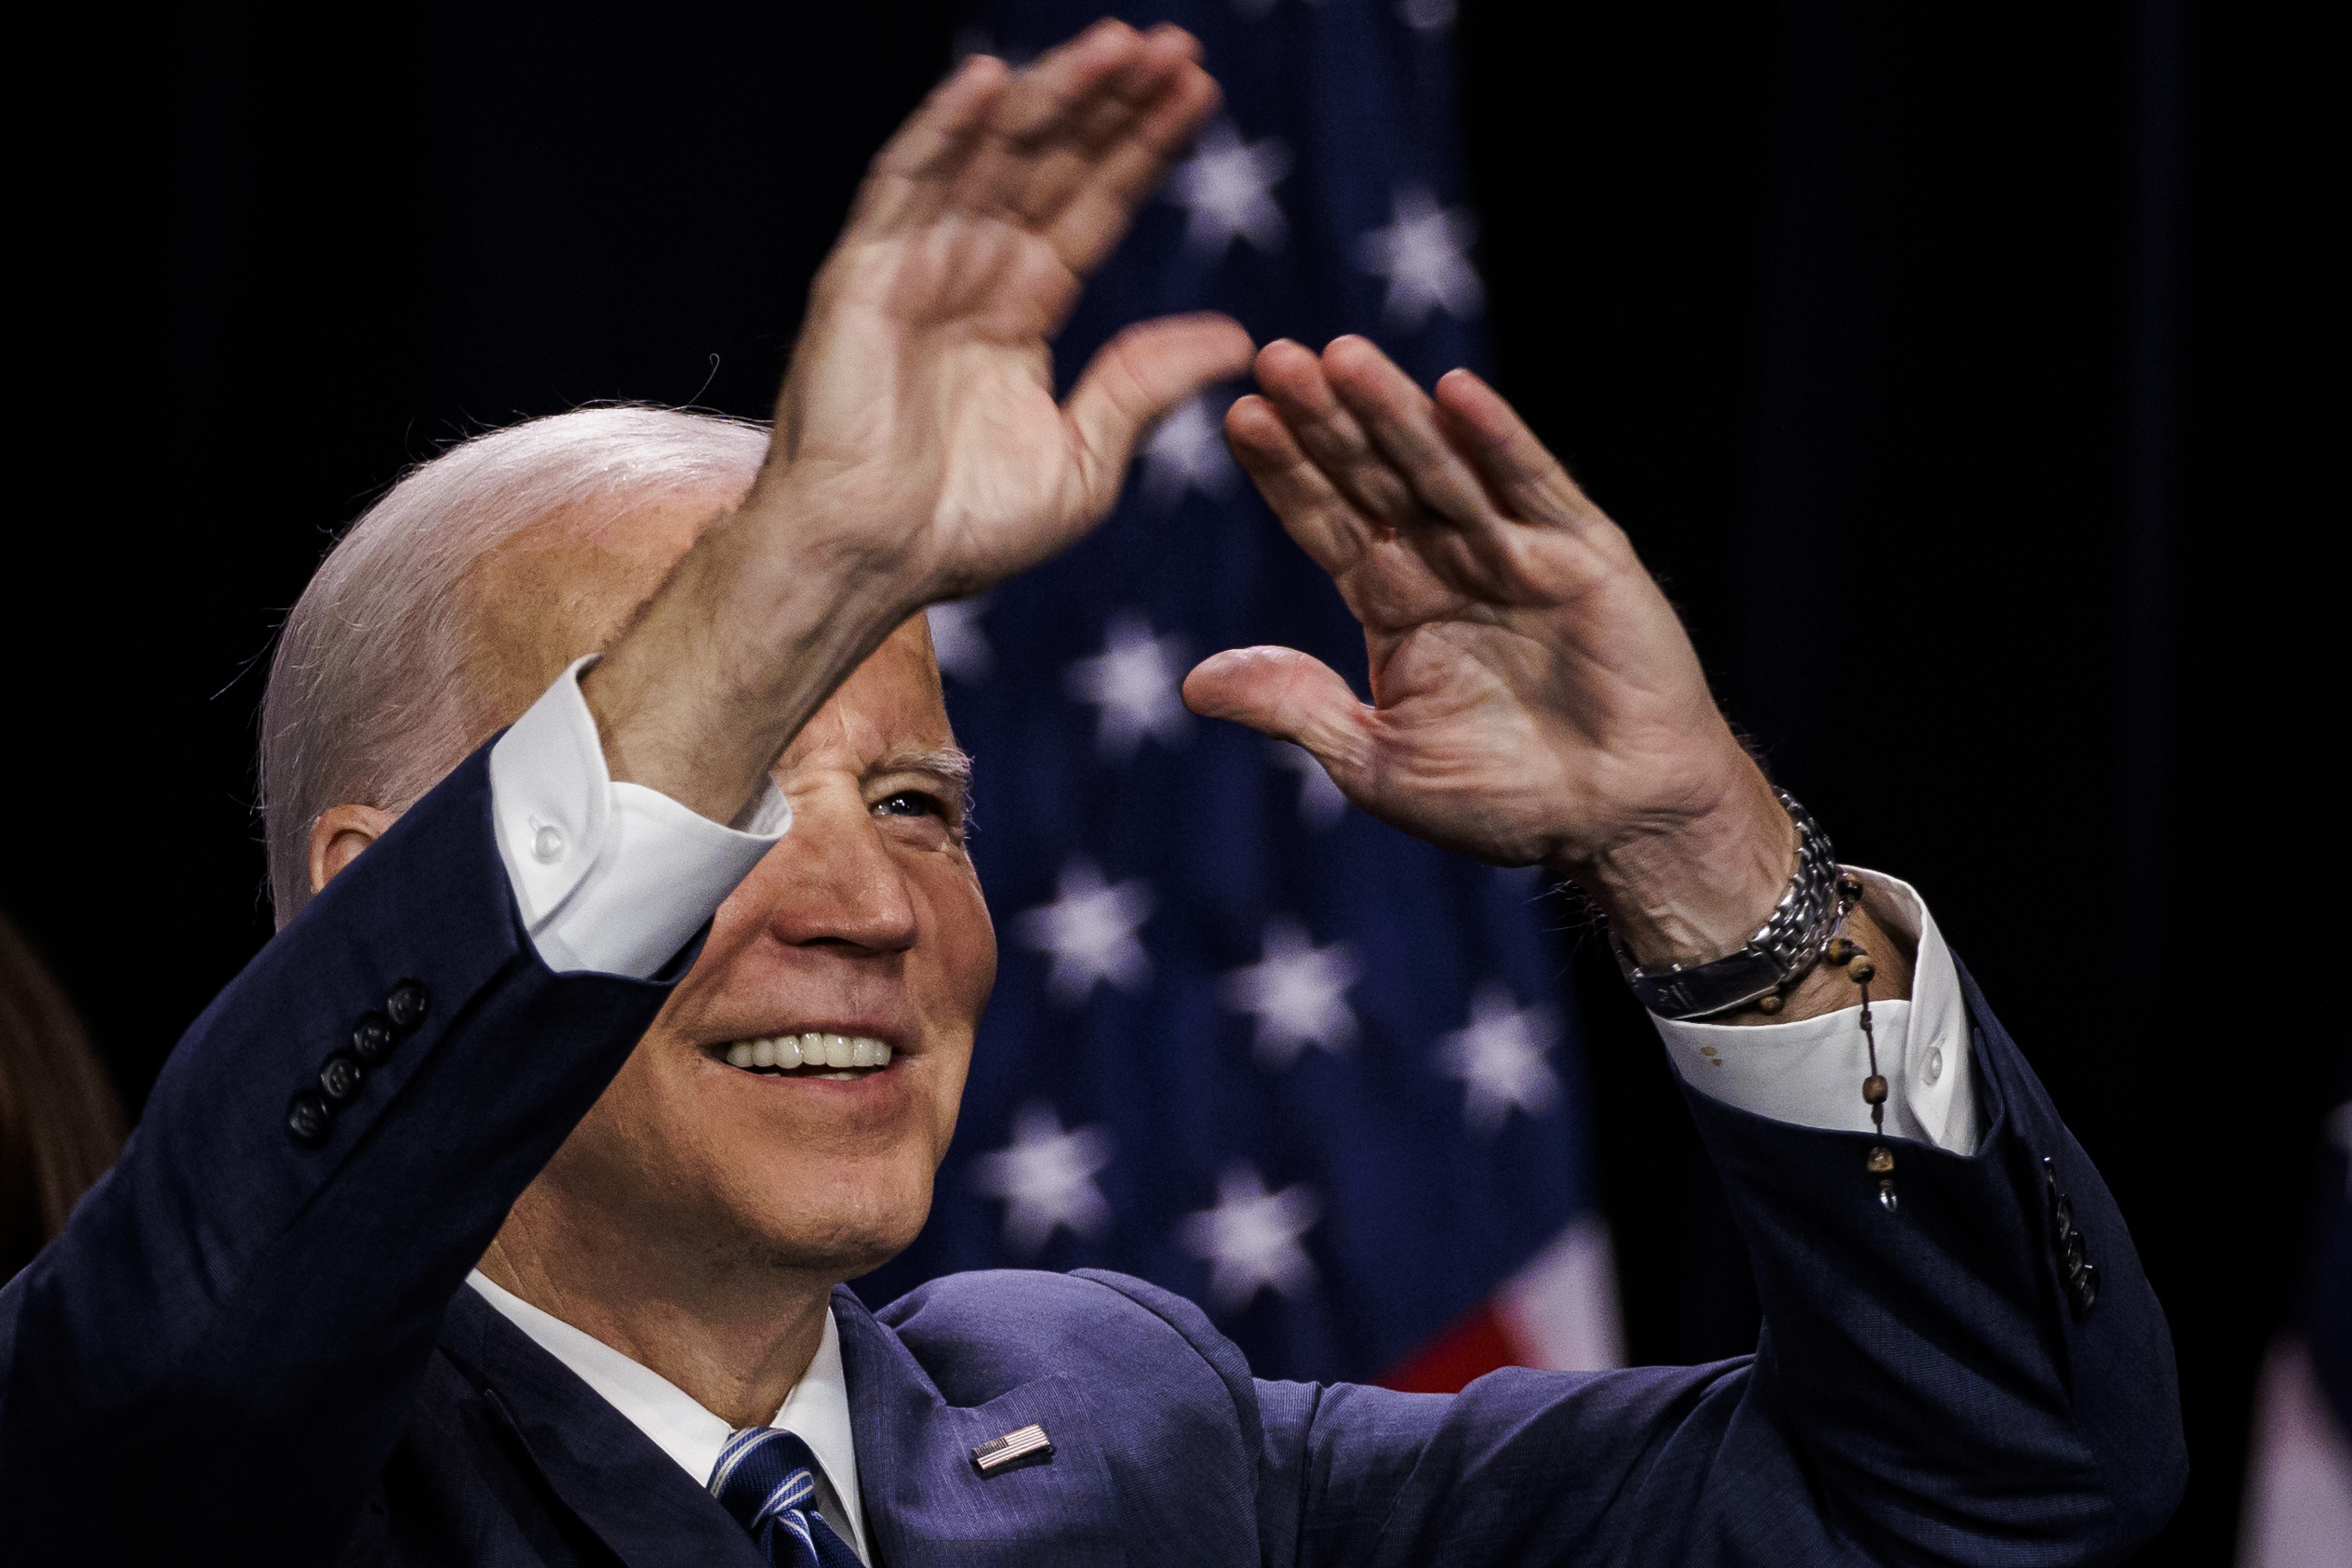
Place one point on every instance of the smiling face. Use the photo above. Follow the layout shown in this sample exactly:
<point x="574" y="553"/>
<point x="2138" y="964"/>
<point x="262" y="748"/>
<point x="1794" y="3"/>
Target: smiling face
<point x="865" y="921"/>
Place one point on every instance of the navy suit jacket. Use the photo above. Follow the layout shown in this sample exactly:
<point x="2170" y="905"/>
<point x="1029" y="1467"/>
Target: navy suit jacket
<point x="248" y="1344"/>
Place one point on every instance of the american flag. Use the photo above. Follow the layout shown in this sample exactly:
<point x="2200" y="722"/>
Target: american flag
<point x="1246" y="1042"/>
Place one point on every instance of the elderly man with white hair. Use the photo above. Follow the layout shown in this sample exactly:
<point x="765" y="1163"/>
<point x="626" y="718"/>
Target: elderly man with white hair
<point x="630" y="961"/>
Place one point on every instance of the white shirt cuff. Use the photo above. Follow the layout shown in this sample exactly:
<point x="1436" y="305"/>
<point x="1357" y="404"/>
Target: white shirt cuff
<point x="613" y="877"/>
<point x="1811" y="1072"/>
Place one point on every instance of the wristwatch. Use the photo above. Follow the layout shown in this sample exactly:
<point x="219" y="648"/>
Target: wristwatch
<point x="1787" y="946"/>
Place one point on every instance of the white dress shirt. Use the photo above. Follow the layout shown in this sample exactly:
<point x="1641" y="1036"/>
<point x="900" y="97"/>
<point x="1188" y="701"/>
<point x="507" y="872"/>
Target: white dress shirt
<point x="1810" y="1072"/>
<point x="617" y="877"/>
<point x="816" y="1410"/>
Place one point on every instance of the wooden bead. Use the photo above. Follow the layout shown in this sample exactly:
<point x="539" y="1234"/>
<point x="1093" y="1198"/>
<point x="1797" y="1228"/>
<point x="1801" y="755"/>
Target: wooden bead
<point x="1862" y="971"/>
<point x="1874" y="1089"/>
<point x="1881" y="1162"/>
<point x="1841" y="952"/>
<point x="1768" y="1006"/>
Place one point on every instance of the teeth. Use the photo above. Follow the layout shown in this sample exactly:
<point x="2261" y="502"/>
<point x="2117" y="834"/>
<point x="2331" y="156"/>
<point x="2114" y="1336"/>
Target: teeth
<point x="839" y="1053"/>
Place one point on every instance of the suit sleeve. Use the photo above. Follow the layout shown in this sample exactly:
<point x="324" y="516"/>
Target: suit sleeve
<point x="1934" y="1384"/>
<point x="225" y="1343"/>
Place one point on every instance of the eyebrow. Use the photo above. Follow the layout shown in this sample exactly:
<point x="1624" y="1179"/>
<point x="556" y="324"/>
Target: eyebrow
<point x="950" y="763"/>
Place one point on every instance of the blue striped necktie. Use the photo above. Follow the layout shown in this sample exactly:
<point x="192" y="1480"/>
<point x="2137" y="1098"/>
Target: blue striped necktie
<point x="767" y="1480"/>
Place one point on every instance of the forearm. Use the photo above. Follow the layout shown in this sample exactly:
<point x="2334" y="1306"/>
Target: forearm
<point x="260" y="1303"/>
<point x="1942" y="1373"/>
<point x="736" y="650"/>
<point x="1925" y="1389"/>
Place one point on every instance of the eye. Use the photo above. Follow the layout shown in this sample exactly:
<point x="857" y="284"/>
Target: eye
<point x="911" y="803"/>
<point x="929" y="818"/>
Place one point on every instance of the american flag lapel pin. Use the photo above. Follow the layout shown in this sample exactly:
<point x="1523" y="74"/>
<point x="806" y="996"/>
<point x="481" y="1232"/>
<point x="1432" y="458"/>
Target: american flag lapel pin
<point x="999" y="1452"/>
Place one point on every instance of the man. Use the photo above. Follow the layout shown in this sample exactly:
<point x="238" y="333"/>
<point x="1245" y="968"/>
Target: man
<point x="497" y="1212"/>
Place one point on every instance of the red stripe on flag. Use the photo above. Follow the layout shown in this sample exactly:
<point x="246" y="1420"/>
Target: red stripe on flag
<point x="1468" y="1348"/>
<point x="1559" y="1311"/>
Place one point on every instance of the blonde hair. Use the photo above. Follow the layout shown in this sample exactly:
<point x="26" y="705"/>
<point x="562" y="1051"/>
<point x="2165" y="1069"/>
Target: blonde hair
<point x="366" y="700"/>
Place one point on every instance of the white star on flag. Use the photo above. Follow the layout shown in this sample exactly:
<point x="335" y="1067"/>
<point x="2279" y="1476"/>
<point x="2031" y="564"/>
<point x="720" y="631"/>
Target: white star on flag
<point x="1137" y="682"/>
<point x="958" y="640"/>
<point x="1299" y="994"/>
<point x="1251" y="1238"/>
<point x="1425" y="255"/>
<point x="1090" y="929"/>
<point x="1188" y="453"/>
<point x="1500" y="1060"/>
<point x="1227" y="186"/>
<point x="1320" y="804"/>
<point x="1047" y="1180"/>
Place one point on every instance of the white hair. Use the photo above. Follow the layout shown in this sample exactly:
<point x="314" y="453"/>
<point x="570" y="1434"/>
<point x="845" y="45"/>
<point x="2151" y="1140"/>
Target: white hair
<point x="368" y="701"/>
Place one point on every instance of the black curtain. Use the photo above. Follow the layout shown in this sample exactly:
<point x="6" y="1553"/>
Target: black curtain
<point x="1965" y="376"/>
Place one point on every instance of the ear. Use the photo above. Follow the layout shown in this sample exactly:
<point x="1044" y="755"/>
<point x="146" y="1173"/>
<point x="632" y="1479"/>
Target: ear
<point x="339" y="835"/>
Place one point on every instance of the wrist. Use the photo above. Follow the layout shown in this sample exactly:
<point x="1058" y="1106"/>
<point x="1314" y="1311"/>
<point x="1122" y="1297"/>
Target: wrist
<point x="732" y="655"/>
<point x="1696" y="887"/>
<point x="1826" y="988"/>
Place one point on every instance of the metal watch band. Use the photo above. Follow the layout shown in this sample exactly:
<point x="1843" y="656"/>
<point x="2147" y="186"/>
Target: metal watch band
<point x="1788" y="945"/>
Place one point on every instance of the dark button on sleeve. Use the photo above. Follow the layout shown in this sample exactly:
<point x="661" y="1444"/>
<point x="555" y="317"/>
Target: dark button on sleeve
<point x="309" y="1117"/>
<point x="407" y="1003"/>
<point x="2073" y="1253"/>
<point x="339" y="1078"/>
<point x="2083" y="1292"/>
<point x="372" y="1039"/>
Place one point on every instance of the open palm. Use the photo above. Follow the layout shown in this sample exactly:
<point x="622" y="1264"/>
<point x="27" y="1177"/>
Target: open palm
<point x="1534" y="698"/>
<point x="919" y="420"/>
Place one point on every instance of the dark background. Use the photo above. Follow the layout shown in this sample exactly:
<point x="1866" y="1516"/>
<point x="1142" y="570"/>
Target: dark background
<point x="1967" y="379"/>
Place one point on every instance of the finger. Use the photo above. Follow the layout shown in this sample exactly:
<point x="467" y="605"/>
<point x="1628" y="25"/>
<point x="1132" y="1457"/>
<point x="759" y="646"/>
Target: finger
<point x="1042" y="177"/>
<point x="1077" y="177"/>
<point x="1095" y="212"/>
<point x="1039" y="110"/>
<point x="909" y="177"/>
<point x="1401" y="421"/>
<point x="1134" y="380"/>
<point x="1061" y="78"/>
<point x="1518" y="469"/>
<point x="1293" y="379"/>
<point x="1282" y="693"/>
<point x="1334" y="534"/>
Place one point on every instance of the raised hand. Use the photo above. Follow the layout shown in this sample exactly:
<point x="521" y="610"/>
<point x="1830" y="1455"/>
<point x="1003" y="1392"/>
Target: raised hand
<point x="918" y="452"/>
<point x="1534" y="697"/>
<point x="919" y="414"/>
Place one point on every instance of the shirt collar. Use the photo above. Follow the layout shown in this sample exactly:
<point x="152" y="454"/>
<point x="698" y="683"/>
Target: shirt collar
<point x="816" y="1410"/>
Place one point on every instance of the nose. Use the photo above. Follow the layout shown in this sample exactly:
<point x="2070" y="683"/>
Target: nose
<point x="833" y="881"/>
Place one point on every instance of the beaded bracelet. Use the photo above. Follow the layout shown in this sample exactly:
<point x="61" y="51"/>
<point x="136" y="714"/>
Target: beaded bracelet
<point x="1842" y="951"/>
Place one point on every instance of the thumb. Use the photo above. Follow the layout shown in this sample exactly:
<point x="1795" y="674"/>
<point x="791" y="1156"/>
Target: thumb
<point x="1292" y="696"/>
<point x="1136" y="379"/>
